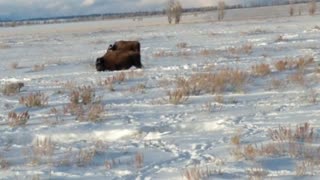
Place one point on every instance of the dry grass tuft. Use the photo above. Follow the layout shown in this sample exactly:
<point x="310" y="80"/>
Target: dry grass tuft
<point x="140" y="88"/>
<point x="82" y="95"/>
<point x="12" y="88"/>
<point x="177" y="96"/>
<point x="84" y="105"/>
<point x="257" y="173"/>
<point x="182" y="45"/>
<point x="38" y="67"/>
<point x="297" y="78"/>
<point x="4" y="164"/>
<point x="281" y="65"/>
<point x="277" y="84"/>
<point x="14" y="65"/>
<point x="43" y="146"/>
<point x="138" y="160"/>
<point x="199" y="172"/>
<point x="261" y="69"/>
<point x="92" y="112"/>
<point x="85" y="157"/>
<point x="280" y="38"/>
<point x="304" y="61"/>
<point x="15" y="120"/>
<point x="303" y="133"/>
<point x="4" y="46"/>
<point x="223" y="80"/>
<point x="207" y="52"/>
<point x="162" y="53"/>
<point x="244" y="49"/>
<point x="95" y="112"/>
<point x="34" y="100"/>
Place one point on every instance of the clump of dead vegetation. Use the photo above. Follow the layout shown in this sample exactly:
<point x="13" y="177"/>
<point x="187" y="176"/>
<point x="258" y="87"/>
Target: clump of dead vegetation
<point x="182" y="45"/>
<point x="4" y="164"/>
<point x="200" y="172"/>
<point x="261" y="69"/>
<point x="243" y="49"/>
<point x="177" y="96"/>
<point x="85" y="157"/>
<point x="297" y="143"/>
<point x="12" y="88"/>
<point x="4" y="46"/>
<point x="280" y="38"/>
<point x="200" y="83"/>
<point x="162" y="53"/>
<point x="38" y="67"/>
<point x="84" y="105"/>
<point x="214" y="83"/>
<point x="119" y="78"/>
<point x="16" y="120"/>
<point x="281" y="65"/>
<point x="37" y="99"/>
<point x="14" y="65"/>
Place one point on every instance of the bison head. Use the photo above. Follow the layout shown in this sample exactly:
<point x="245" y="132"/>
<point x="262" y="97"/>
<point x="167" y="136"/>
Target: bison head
<point x="100" y="64"/>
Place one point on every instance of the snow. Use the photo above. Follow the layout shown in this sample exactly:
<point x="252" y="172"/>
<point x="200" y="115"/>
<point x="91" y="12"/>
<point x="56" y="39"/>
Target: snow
<point x="138" y="122"/>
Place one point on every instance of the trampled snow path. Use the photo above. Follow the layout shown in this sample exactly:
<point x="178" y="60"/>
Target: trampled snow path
<point x="138" y="120"/>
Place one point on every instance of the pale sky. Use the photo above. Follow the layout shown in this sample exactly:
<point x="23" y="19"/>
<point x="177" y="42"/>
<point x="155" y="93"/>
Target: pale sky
<point x="22" y="9"/>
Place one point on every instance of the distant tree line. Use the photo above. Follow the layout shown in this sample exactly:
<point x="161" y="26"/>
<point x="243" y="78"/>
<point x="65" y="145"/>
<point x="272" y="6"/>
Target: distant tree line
<point x="139" y="15"/>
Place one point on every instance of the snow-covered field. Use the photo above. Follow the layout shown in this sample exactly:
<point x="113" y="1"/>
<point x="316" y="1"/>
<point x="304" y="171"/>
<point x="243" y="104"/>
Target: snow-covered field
<point x="141" y="134"/>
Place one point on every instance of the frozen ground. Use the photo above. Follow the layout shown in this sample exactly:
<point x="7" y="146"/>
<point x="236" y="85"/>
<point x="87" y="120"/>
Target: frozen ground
<point x="143" y="136"/>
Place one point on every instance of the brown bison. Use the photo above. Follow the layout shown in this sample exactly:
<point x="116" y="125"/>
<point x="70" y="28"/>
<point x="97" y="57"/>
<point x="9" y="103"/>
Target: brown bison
<point x="125" y="46"/>
<point x="118" y="60"/>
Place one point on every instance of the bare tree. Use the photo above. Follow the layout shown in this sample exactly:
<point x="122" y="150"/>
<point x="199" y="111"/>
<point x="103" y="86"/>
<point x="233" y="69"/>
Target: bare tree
<point x="221" y="12"/>
<point x="312" y="7"/>
<point x="174" y="11"/>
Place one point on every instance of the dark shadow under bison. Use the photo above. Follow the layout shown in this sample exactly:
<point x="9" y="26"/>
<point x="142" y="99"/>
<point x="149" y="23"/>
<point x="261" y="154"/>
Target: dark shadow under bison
<point x="120" y="56"/>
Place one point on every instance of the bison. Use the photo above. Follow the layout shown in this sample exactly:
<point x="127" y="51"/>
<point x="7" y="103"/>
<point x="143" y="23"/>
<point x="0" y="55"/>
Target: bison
<point x="125" y="46"/>
<point x="118" y="60"/>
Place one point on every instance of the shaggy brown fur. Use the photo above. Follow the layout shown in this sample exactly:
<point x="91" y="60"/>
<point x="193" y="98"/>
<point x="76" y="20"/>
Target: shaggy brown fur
<point x="118" y="60"/>
<point x="125" y="46"/>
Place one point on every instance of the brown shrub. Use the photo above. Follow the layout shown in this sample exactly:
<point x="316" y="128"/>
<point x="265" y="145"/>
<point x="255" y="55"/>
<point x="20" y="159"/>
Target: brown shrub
<point x="177" y="96"/>
<point x="138" y="160"/>
<point x="261" y="69"/>
<point x="207" y="52"/>
<point x="4" y="164"/>
<point x="281" y="65"/>
<point x="162" y="53"/>
<point x="43" y="146"/>
<point x="297" y="78"/>
<point x="38" y="67"/>
<point x="302" y="133"/>
<point x="34" y="100"/>
<point x="15" y="120"/>
<point x="84" y="95"/>
<point x="182" y="45"/>
<point x="85" y="157"/>
<point x="223" y="80"/>
<point x="95" y="112"/>
<point x="14" y="65"/>
<point x="244" y="49"/>
<point x="280" y="38"/>
<point x="12" y="88"/>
